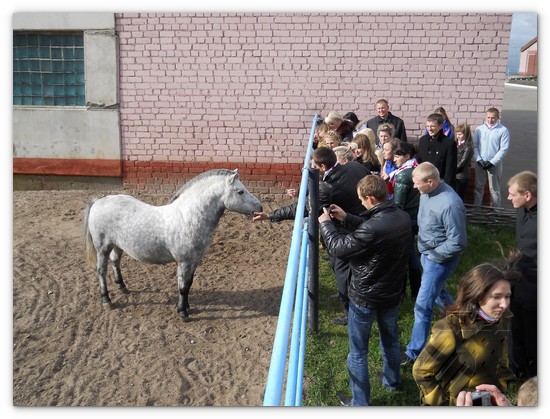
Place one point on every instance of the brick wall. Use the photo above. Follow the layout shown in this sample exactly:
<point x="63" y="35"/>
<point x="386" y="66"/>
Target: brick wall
<point x="203" y="90"/>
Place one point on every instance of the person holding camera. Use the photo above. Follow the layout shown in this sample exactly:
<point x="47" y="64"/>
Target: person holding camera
<point x="527" y="395"/>
<point x="338" y="186"/>
<point x="377" y="247"/>
<point x="469" y="346"/>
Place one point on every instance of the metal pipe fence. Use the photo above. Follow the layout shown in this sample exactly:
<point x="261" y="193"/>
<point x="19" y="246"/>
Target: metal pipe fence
<point x="296" y="294"/>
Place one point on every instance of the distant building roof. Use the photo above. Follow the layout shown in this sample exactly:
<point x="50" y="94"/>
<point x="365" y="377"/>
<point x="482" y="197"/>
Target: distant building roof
<point x="528" y="44"/>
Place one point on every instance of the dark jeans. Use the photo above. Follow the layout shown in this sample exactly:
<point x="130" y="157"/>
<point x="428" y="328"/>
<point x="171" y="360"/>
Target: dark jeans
<point x="462" y="187"/>
<point x="342" y="271"/>
<point x="360" y="320"/>
<point x="414" y="269"/>
<point x="523" y="353"/>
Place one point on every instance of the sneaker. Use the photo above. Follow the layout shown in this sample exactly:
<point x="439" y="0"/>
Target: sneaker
<point x="343" y="399"/>
<point x="341" y="321"/>
<point x="406" y="361"/>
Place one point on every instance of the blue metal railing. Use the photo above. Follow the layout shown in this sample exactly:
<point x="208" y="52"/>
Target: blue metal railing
<point x="294" y="295"/>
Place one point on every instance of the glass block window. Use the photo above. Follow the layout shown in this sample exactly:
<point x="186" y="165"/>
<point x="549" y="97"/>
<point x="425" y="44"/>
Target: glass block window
<point x="48" y="69"/>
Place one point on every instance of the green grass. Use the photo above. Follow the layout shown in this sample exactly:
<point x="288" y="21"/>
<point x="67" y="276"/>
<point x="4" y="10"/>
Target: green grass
<point x="325" y="363"/>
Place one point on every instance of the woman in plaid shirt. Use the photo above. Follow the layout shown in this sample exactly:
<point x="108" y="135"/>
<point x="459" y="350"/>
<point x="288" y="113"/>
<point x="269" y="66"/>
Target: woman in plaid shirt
<point x="470" y="345"/>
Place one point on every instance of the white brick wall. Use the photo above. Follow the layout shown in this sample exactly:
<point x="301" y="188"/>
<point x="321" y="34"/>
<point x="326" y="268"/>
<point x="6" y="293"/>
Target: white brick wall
<point x="233" y="87"/>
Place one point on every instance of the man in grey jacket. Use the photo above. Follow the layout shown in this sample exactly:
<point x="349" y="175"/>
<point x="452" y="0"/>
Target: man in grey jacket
<point x="441" y="240"/>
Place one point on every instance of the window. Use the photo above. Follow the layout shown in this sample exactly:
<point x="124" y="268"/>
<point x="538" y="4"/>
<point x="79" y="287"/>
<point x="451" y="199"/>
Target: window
<point x="48" y="69"/>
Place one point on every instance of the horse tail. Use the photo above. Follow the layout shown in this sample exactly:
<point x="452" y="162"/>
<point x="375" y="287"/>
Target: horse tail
<point x="90" y="253"/>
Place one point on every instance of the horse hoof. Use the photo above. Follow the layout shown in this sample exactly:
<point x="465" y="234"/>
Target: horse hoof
<point x="184" y="316"/>
<point x="107" y="305"/>
<point x="125" y="290"/>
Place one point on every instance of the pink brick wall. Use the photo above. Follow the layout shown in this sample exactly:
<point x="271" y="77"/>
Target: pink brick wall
<point x="238" y="88"/>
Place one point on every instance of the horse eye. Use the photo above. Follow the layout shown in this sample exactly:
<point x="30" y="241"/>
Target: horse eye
<point x="240" y="192"/>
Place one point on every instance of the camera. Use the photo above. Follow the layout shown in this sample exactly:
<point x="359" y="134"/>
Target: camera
<point x="481" y="398"/>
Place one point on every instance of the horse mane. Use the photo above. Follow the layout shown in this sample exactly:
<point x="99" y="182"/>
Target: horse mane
<point x="190" y="183"/>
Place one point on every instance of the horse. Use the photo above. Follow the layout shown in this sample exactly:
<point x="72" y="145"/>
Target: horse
<point x="181" y="231"/>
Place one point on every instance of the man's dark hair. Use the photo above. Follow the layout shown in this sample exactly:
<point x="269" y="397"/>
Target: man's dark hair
<point x="324" y="155"/>
<point x="435" y="117"/>
<point x="372" y="185"/>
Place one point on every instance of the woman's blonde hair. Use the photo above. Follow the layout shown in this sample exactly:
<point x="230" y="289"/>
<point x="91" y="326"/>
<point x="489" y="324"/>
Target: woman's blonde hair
<point x="386" y="127"/>
<point x="333" y="117"/>
<point x="334" y="135"/>
<point x="362" y="141"/>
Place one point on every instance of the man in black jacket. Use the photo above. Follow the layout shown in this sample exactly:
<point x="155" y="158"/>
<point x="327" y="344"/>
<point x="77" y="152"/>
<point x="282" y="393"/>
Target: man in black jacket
<point x="384" y="116"/>
<point x="378" y="249"/>
<point x="522" y="192"/>
<point x="338" y="186"/>
<point x="438" y="149"/>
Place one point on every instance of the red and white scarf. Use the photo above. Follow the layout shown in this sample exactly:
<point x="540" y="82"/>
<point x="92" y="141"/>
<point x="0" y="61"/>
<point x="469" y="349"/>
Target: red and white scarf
<point x="411" y="163"/>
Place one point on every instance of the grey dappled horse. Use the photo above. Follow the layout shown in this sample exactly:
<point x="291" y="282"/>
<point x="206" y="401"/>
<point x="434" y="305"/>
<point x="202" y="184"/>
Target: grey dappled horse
<point x="180" y="232"/>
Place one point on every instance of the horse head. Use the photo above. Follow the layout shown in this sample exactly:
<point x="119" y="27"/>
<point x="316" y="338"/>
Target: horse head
<point x="237" y="198"/>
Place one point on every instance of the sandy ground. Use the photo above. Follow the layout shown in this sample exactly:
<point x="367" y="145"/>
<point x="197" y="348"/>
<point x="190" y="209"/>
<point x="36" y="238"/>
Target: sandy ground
<point x="68" y="350"/>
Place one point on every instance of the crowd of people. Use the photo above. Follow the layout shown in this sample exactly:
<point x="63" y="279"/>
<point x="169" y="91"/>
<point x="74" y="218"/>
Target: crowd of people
<point x="393" y="222"/>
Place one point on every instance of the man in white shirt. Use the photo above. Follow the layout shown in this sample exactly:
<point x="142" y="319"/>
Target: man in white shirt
<point x="491" y="143"/>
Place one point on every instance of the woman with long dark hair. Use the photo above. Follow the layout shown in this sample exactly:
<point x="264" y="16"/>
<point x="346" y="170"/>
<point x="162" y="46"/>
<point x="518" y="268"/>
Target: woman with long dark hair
<point x="465" y="152"/>
<point x="469" y="346"/>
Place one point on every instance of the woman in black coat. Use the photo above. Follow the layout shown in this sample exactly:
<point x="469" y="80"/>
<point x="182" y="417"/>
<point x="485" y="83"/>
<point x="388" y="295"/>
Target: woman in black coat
<point x="465" y="152"/>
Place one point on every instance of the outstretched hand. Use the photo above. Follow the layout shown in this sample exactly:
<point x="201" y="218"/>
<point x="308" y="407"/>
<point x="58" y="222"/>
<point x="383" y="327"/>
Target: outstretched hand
<point x="293" y="193"/>
<point x="260" y="216"/>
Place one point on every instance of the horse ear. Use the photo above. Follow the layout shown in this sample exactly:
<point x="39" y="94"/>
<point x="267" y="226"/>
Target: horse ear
<point x="234" y="176"/>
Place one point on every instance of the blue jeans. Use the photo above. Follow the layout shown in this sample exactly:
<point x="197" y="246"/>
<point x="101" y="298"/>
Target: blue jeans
<point x="360" y="321"/>
<point x="432" y="290"/>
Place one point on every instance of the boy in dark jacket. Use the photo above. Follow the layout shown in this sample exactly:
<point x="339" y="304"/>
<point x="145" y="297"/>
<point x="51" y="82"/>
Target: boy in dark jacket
<point x="438" y="149"/>
<point x="378" y="249"/>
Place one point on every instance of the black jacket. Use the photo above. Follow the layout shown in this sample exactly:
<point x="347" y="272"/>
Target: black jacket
<point x="400" y="131"/>
<point x="378" y="251"/>
<point x="525" y="291"/>
<point x="441" y="152"/>
<point x="464" y="157"/>
<point x="339" y="187"/>
<point x="346" y="130"/>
